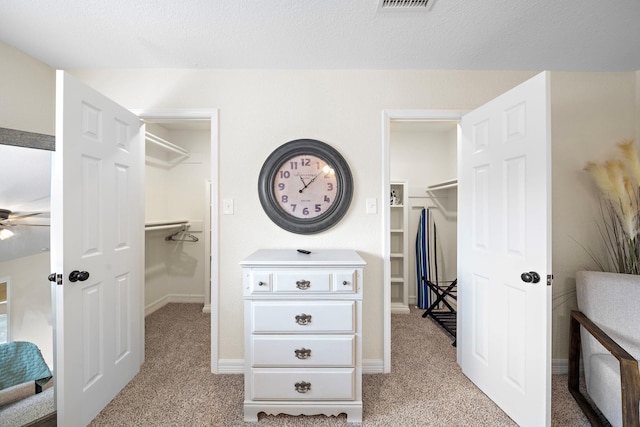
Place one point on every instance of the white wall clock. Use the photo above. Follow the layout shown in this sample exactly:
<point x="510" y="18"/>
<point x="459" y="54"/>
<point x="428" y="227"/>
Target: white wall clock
<point x="305" y="186"/>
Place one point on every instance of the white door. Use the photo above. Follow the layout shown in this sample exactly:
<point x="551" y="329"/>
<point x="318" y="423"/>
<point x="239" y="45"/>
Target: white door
<point x="97" y="227"/>
<point x="504" y="220"/>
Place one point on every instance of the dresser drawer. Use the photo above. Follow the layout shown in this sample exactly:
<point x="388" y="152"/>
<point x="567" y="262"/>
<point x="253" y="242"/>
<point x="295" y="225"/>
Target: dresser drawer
<point x="301" y="282"/>
<point x="302" y="384"/>
<point x="302" y="350"/>
<point x="304" y="281"/>
<point x="302" y="316"/>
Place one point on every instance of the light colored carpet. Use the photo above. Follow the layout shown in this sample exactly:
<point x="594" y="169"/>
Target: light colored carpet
<point x="19" y="405"/>
<point x="425" y="387"/>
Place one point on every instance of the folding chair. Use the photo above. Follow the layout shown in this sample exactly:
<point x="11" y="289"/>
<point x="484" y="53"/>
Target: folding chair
<point x="445" y="316"/>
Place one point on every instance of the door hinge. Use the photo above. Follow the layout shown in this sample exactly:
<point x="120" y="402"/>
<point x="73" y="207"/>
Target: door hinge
<point x="549" y="279"/>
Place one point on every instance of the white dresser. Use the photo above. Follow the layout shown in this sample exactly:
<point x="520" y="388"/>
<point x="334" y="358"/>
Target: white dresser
<point x="303" y="333"/>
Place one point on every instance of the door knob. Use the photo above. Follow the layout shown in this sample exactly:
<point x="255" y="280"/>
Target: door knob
<point x="530" y="277"/>
<point x="78" y="275"/>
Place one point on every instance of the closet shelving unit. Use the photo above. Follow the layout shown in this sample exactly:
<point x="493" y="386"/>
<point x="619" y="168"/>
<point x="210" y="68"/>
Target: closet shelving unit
<point x="160" y="152"/>
<point x="399" y="221"/>
<point x="451" y="183"/>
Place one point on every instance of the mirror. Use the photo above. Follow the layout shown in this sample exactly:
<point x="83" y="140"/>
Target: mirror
<point x="25" y="293"/>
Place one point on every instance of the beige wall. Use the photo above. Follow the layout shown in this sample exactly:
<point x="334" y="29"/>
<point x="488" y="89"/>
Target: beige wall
<point x="27" y="93"/>
<point x="590" y="113"/>
<point x="259" y="110"/>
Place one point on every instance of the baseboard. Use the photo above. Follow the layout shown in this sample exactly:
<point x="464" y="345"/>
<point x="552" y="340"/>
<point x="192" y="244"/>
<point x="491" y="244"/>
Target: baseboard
<point x="560" y="366"/>
<point x="169" y="298"/>
<point x="231" y="366"/>
<point x="206" y="308"/>
<point x="398" y="307"/>
<point x="372" y="366"/>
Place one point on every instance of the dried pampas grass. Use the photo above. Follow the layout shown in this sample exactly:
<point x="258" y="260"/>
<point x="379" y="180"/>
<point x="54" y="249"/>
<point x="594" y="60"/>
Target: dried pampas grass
<point x="619" y="183"/>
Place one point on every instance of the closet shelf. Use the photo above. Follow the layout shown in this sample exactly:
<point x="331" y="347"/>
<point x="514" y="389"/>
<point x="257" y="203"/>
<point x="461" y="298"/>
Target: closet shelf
<point x="164" y="225"/>
<point x="161" y="152"/>
<point x="442" y="185"/>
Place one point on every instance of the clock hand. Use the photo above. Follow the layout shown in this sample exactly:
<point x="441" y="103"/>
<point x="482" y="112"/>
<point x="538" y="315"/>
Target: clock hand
<point x="303" y="183"/>
<point x="307" y="184"/>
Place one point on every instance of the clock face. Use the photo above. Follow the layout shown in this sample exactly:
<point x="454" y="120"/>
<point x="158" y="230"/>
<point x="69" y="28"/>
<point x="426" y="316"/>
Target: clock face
<point x="305" y="186"/>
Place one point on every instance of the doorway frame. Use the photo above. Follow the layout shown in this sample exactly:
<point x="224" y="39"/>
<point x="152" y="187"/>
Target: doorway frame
<point x="211" y="114"/>
<point x="387" y="117"/>
<point x="7" y="280"/>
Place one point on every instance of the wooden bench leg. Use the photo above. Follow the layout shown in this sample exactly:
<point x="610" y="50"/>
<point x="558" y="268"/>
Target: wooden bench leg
<point x="574" y="373"/>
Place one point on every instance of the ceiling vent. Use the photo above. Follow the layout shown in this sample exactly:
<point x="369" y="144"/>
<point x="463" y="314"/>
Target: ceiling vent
<point x="405" y="5"/>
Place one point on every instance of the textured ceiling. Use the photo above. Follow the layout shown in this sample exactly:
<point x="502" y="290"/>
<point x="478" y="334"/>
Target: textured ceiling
<point x="572" y="35"/>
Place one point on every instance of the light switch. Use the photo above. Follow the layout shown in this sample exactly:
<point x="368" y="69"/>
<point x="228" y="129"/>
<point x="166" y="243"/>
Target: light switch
<point x="372" y="206"/>
<point x="227" y="206"/>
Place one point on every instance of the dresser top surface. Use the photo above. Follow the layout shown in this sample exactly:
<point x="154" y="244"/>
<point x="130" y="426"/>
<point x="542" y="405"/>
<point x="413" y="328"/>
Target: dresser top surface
<point x="291" y="257"/>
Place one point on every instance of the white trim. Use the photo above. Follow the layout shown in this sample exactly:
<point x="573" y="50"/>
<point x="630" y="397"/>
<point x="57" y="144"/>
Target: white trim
<point x="213" y="116"/>
<point x="387" y="117"/>
<point x="231" y="366"/>
<point x="169" y="298"/>
<point x="560" y="366"/>
<point x="373" y="366"/>
<point x="7" y="280"/>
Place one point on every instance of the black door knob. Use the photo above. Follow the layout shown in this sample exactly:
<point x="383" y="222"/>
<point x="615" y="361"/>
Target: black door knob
<point x="52" y="277"/>
<point x="78" y="275"/>
<point x="530" y="277"/>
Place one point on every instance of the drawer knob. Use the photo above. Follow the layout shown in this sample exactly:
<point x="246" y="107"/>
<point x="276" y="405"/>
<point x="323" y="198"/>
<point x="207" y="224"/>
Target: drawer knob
<point x="345" y="283"/>
<point x="303" y="387"/>
<point x="262" y="283"/>
<point x="303" y="319"/>
<point x="303" y="284"/>
<point x="303" y="353"/>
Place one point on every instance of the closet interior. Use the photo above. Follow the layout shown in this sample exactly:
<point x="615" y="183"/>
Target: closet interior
<point x="422" y="210"/>
<point x="177" y="213"/>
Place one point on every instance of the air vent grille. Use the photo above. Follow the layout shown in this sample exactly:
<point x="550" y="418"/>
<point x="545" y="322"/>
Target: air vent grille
<point x="404" y="4"/>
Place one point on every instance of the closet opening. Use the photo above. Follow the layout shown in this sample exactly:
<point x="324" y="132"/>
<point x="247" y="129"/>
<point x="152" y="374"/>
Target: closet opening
<point x="421" y="225"/>
<point x="177" y="213"/>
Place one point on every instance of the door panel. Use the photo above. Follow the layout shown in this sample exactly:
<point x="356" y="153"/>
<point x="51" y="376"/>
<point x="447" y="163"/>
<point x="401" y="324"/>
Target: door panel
<point x="504" y="334"/>
<point x="97" y="221"/>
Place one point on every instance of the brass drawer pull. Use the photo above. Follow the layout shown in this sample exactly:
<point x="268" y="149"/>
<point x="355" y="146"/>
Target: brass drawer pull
<point x="303" y="353"/>
<point x="303" y="387"/>
<point x="303" y="319"/>
<point x="303" y="284"/>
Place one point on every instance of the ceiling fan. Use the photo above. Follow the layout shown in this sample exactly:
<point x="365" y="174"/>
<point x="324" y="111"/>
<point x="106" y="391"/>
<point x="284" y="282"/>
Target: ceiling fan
<point x="12" y="219"/>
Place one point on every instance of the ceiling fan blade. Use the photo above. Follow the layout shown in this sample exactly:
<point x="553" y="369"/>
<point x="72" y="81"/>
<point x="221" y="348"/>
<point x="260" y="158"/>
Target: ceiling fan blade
<point x="19" y="215"/>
